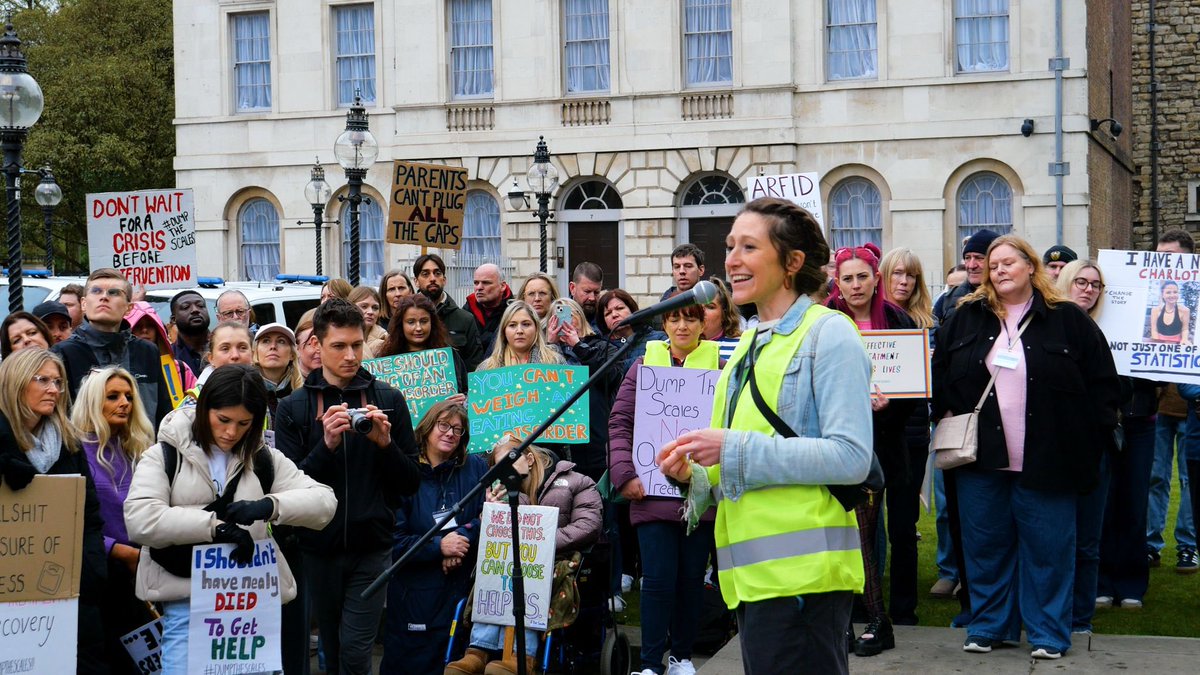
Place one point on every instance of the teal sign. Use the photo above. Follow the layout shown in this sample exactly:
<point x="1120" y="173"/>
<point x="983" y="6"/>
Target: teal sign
<point x="517" y="399"/>
<point x="424" y="377"/>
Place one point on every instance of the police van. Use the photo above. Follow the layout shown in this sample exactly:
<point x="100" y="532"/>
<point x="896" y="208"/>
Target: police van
<point x="37" y="286"/>
<point x="283" y="300"/>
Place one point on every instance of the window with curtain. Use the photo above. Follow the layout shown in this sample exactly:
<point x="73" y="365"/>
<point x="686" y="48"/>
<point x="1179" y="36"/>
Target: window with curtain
<point x="708" y="41"/>
<point x="258" y="223"/>
<point x="252" y="61"/>
<point x="481" y="228"/>
<point x="984" y="201"/>
<point x="586" y="38"/>
<point x="981" y="35"/>
<point x="852" y="51"/>
<point x="471" y="66"/>
<point x="370" y="242"/>
<point x="355" y="44"/>
<point x="856" y="214"/>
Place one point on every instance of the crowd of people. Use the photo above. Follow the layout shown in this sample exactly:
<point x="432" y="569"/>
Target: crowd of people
<point x="210" y="429"/>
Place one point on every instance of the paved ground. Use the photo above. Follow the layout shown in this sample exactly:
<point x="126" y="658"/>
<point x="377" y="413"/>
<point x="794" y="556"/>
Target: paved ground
<point x="935" y="651"/>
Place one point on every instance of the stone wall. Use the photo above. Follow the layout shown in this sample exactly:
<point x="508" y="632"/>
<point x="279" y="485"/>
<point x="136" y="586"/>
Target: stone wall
<point x="1110" y="163"/>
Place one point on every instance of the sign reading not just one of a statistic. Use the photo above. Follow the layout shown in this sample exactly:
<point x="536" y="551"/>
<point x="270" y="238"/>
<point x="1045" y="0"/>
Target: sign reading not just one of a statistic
<point x="427" y="205"/>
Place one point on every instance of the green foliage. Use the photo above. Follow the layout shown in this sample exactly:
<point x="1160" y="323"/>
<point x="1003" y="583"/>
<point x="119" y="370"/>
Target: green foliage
<point x="106" y="68"/>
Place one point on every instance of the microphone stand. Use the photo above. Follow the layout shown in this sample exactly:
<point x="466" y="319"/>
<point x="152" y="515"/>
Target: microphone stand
<point x="504" y="472"/>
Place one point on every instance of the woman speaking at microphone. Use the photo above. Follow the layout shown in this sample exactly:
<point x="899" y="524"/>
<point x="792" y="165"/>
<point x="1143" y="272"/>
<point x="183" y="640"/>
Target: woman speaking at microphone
<point x="788" y="553"/>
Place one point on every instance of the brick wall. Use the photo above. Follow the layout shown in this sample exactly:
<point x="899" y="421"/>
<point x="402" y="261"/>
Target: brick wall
<point x="1110" y="164"/>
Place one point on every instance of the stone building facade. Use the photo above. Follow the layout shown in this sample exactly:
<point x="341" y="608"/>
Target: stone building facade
<point x="657" y="113"/>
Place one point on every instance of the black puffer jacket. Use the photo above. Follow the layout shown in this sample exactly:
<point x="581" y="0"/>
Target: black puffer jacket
<point x="88" y="348"/>
<point x="591" y="459"/>
<point x="463" y="330"/>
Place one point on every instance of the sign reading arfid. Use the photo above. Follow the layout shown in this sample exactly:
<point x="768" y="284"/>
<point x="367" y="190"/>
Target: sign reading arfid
<point x="427" y="205"/>
<point x="801" y="189"/>
<point x="149" y="235"/>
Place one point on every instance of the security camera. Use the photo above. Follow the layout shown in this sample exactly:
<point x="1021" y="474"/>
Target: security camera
<point x="1027" y="128"/>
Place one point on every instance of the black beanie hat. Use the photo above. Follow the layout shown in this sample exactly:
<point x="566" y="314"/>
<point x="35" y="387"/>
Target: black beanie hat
<point x="979" y="242"/>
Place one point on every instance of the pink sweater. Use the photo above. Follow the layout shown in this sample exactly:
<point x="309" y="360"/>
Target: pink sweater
<point x="1010" y="386"/>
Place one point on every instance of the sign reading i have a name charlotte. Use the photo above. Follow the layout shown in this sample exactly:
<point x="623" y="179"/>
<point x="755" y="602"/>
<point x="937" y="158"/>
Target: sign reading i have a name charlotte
<point x="427" y="205"/>
<point x="148" y="235"/>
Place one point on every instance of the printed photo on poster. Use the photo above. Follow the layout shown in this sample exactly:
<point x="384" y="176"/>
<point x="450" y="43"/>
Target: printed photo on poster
<point x="1170" y="308"/>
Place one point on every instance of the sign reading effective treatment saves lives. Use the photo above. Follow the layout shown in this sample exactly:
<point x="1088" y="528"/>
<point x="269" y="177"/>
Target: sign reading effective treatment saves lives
<point x="899" y="362"/>
<point x="493" y="571"/>
<point x="234" y="623"/>
<point x="149" y="235"/>
<point x="1147" y="311"/>
<point x="517" y="399"/>
<point x="427" y="205"/>
<point x="424" y="377"/>
<point x="670" y="402"/>
<point x="801" y="189"/>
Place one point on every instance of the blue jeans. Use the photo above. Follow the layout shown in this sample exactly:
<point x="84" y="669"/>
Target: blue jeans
<point x="673" y="565"/>
<point x="1169" y="432"/>
<point x="175" y="636"/>
<point x="491" y="637"/>
<point x="946" y="564"/>
<point x="1019" y="549"/>
<point x="1089" y="523"/>
<point x="1124" y="570"/>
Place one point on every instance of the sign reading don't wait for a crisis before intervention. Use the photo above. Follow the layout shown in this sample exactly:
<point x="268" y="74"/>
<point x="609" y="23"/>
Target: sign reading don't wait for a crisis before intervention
<point x="148" y="235"/>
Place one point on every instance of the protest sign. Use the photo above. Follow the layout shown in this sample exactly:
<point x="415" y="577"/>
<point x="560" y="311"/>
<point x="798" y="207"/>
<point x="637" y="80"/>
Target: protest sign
<point x="427" y="205"/>
<point x="144" y="645"/>
<point x="38" y="637"/>
<point x="899" y="362"/>
<point x="517" y="399"/>
<point x="41" y="550"/>
<point x="670" y="402"/>
<point x="234" y="625"/>
<point x="148" y="235"/>
<point x="1147" y="311"/>
<point x="424" y="377"/>
<point x="802" y="189"/>
<point x="493" y="571"/>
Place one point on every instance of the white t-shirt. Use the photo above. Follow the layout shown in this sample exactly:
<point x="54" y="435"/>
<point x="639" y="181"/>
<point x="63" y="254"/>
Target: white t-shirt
<point x="218" y="462"/>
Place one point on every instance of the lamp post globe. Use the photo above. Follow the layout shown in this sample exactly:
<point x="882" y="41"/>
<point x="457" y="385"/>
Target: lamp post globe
<point x="542" y="178"/>
<point x="20" y="107"/>
<point x="317" y="192"/>
<point x="356" y="150"/>
<point x="48" y="195"/>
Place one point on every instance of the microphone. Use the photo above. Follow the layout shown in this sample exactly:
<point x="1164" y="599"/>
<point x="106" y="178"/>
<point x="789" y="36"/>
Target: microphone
<point x="700" y="294"/>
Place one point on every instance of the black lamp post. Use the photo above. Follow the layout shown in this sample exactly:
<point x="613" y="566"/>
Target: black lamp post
<point x="317" y="192"/>
<point x="20" y="107"/>
<point x="48" y="195"/>
<point x="541" y="179"/>
<point x="356" y="150"/>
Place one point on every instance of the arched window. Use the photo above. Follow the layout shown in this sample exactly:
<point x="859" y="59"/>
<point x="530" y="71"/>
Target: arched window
<point x="370" y="242"/>
<point x="713" y="190"/>
<point x="706" y="212"/>
<point x="592" y="194"/>
<point x="856" y="214"/>
<point x="481" y="228"/>
<point x="984" y="201"/>
<point x="258" y="223"/>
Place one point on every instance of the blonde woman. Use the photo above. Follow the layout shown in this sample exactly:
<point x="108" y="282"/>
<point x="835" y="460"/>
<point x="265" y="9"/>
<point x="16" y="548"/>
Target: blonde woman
<point x="519" y="340"/>
<point x="276" y="358"/>
<point x="539" y="290"/>
<point x="904" y="284"/>
<point x="115" y="431"/>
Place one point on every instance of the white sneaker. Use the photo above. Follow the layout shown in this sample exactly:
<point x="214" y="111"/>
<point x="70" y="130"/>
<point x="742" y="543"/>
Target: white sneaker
<point x="617" y="604"/>
<point x="647" y="671"/>
<point x="1104" y="601"/>
<point x="626" y="583"/>
<point x="683" y="667"/>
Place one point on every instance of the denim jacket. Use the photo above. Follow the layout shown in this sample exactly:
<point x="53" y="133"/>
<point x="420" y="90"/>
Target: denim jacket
<point x="825" y="397"/>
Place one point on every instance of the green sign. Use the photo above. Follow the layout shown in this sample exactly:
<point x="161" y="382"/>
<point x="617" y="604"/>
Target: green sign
<point x="517" y="399"/>
<point x="423" y="377"/>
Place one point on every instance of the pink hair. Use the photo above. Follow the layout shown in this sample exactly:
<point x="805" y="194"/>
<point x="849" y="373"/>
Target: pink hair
<point x="870" y="254"/>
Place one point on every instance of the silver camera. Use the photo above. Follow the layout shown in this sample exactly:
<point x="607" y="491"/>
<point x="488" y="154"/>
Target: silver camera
<point x="359" y="421"/>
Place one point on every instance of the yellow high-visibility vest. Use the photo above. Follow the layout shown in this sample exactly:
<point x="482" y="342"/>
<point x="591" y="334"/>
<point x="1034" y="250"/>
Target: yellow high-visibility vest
<point x="706" y="355"/>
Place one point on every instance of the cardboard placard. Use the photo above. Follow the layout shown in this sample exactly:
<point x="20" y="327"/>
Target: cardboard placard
<point x="802" y="189"/>
<point x="424" y="377"/>
<point x="39" y="637"/>
<point x="144" y="645"/>
<point x="427" y="205"/>
<point x="148" y="235"/>
<point x="1147" y="311"/>
<point x="670" y="402"/>
<point x="899" y="362"/>
<point x="493" y="569"/>
<point x="235" y="619"/>
<point x="41" y="548"/>
<point x="517" y="399"/>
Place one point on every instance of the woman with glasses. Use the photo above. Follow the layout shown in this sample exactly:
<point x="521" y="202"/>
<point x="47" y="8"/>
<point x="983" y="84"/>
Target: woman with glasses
<point x="37" y="438"/>
<point x="416" y="327"/>
<point x="423" y="596"/>
<point x="539" y="291"/>
<point x="722" y="321"/>
<point x="22" y="330"/>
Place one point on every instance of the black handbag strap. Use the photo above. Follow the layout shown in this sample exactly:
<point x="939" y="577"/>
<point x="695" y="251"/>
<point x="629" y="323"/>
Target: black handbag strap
<point x="782" y="428"/>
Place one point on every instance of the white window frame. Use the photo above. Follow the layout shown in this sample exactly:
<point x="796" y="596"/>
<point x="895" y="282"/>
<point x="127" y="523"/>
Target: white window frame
<point x="830" y="27"/>
<point x="995" y="227"/>
<point x="567" y="65"/>
<point x="685" y="34"/>
<point x="243" y="244"/>
<point x="491" y="93"/>
<point x="337" y="57"/>
<point x="234" y="63"/>
<point x="1008" y="39"/>
<point x="830" y="210"/>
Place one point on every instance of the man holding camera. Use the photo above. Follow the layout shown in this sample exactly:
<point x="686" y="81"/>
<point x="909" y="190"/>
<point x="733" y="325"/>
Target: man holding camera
<point x="353" y="433"/>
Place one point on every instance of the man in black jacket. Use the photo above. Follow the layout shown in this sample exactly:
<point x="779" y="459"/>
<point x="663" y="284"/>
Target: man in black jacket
<point x="429" y="274"/>
<point x="105" y="340"/>
<point x="369" y="473"/>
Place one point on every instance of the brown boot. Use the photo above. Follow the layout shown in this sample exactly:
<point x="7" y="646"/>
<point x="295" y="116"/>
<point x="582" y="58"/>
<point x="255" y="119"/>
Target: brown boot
<point x="508" y="666"/>
<point x="470" y="664"/>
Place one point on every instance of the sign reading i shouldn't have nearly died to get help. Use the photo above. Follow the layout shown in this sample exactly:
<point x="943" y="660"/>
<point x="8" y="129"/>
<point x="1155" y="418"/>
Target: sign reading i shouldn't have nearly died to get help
<point x="493" y="571"/>
<point x="670" y="402"/>
<point x="424" y="377"/>
<point x="149" y="236"/>
<point x="234" y="624"/>
<point x="517" y="399"/>
<point x="427" y="205"/>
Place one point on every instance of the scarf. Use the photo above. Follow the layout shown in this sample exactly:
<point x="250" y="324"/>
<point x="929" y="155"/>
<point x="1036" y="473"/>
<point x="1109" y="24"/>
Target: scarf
<point x="47" y="444"/>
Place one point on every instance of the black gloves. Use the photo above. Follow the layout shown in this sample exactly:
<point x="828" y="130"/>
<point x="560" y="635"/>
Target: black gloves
<point x="16" y="469"/>
<point x="229" y="533"/>
<point x="245" y="512"/>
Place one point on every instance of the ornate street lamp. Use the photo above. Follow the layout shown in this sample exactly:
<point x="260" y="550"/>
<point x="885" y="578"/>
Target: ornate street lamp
<point x="48" y="195"/>
<point x="317" y="192"/>
<point x="356" y="150"/>
<point x="20" y="107"/>
<point x="542" y="178"/>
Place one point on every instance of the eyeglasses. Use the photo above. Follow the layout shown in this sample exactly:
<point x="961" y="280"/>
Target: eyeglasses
<point x="1082" y="284"/>
<point x="235" y="313"/>
<point x="46" y="382"/>
<point x="110" y="292"/>
<point x="447" y="427"/>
